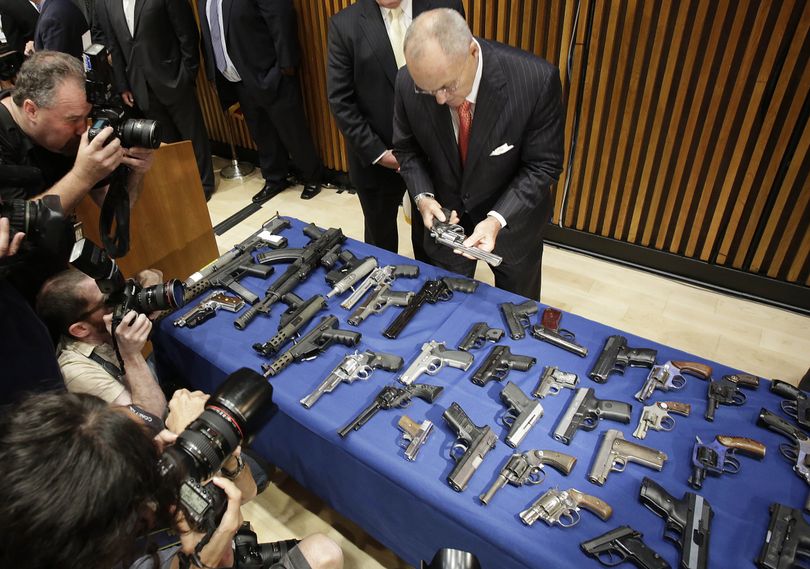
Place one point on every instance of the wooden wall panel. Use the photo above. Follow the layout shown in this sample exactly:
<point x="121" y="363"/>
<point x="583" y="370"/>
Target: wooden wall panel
<point x="686" y="122"/>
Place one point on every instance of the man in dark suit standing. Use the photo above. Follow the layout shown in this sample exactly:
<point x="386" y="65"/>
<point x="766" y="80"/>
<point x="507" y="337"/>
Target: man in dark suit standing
<point x="60" y="27"/>
<point x="365" y="52"/>
<point x="251" y="47"/>
<point x="154" y="46"/>
<point x="478" y="130"/>
<point x="19" y="19"/>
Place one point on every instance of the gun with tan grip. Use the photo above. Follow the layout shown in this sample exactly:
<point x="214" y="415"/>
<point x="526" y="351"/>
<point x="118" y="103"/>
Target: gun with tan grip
<point x="360" y="271"/>
<point x="379" y="277"/>
<point x="527" y="468"/>
<point x="549" y="331"/>
<point x="378" y="301"/>
<point x="796" y="403"/>
<point x="207" y="309"/>
<point x="584" y="412"/>
<point x="517" y="317"/>
<point x="561" y="507"/>
<point x="657" y="417"/>
<point x="522" y="412"/>
<point x="353" y="367"/>
<point x="718" y="457"/>
<point x="478" y="335"/>
<point x="797" y="452"/>
<point x="553" y="380"/>
<point x="616" y="356"/>
<point x="615" y="452"/>
<point x="452" y="235"/>
<point x="472" y="445"/>
<point x="727" y="392"/>
<point x="669" y="377"/>
<point x="392" y="397"/>
<point x="433" y="357"/>
<point x="414" y="435"/>
<point x="623" y="544"/>
<point x="433" y="291"/>
<point x="498" y="363"/>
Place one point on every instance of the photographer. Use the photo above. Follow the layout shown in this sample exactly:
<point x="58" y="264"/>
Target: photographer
<point x="81" y="483"/>
<point x="71" y="305"/>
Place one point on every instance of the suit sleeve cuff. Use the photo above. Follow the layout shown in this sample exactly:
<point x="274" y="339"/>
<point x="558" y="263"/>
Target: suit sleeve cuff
<point x="497" y="216"/>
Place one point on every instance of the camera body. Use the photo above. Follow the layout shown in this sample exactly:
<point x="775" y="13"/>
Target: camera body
<point x="248" y="553"/>
<point x="43" y="222"/>
<point x="134" y="296"/>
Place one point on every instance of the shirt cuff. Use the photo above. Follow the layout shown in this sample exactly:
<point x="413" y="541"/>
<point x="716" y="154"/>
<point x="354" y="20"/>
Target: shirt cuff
<point x="497" y="216"/>
<point x="380" y="156"/>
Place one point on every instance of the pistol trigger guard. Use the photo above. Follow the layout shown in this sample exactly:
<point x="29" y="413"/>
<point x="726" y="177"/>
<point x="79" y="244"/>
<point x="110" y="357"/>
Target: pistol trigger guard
<point x="676" y="382"/>
<point x="434" y="366"/>
<point x="571" y="515"/>
<point x="537" y="476"/>
<point x="789" y="451"/>
<point x="731" y="465"/>
<point x="406" y="404"/>
<point x="445" y="295"/>
<point x="404" y="442"/>
<point x="672" y="534"/>
<point x="619" y="465"/>
<point x="553" y="390"/>
<point x="457" y="451"/>
<point x="790" y="408"/>
<point x="567" y="334"/>
<point x="589" y="423"/>
<point x="667" y="424"/>
<point x="508" y="419"/>
<point x="611" y="558"/>
<point x="738" y="398"/>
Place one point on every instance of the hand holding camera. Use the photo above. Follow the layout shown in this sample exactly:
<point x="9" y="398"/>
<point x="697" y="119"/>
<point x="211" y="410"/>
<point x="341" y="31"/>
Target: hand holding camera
<point x="10" y="240"/>
<point x="99" y="157"/>
<point x="131" y="334"/>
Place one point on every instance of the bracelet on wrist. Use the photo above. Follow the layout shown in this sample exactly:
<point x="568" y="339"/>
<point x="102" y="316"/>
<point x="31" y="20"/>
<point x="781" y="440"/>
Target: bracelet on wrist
<point x="232" y="474"/>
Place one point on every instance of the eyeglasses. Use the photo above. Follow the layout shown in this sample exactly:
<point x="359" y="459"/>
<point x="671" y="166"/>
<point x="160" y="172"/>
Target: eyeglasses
<point x="90" y="311"/>
<point x="448" y="89"/>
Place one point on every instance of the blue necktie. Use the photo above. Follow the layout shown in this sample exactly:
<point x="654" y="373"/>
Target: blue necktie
<point x="216" y="36"/>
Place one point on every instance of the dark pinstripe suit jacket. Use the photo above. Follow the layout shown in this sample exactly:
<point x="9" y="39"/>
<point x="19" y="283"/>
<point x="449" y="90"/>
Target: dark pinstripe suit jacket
<point x="519" y="104"/>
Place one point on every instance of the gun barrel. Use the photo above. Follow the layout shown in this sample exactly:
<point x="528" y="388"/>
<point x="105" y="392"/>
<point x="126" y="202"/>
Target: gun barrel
<point x="361" y="419"/>
<point x="499" y="483"/>
<point x="559" y="340"/>
<point x="326" y="386"/>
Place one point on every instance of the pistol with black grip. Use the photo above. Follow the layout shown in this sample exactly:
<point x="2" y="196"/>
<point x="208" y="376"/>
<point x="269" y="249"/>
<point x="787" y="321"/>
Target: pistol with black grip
<point x="527" y="468"/>
<point x="479" y="334"/>
<point x="787" y="541"/>
<point x="615" y="452"/>
<point x="472" y="444"/>
<point x="796" y="403"/>
<point x="687" y="522"/>
<point x="517" y="317"/>
<point x="669" y="376"/>
<point x="795" y="452"/>
<point x="432" y="291"/>
<point x="727" y="392"/>
<point x="623" y="544"/>
<point x="616" y="356"/>
<point x="717" y="458"/>
<point x="585" y="411"/>
<point x="548" y="330"/>
<point x="392" y="397"/>
<point x="498" y="363"/>
<point x="522" y="412"/>
<point x="561" y="507"/>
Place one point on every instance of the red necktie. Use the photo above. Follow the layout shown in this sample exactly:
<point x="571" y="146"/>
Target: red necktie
<point x="464" y="124"/>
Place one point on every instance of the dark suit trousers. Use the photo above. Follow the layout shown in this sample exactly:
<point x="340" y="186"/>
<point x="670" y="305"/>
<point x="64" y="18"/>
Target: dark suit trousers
<point x="280" y="131"/>
<point x="183" y="120"/>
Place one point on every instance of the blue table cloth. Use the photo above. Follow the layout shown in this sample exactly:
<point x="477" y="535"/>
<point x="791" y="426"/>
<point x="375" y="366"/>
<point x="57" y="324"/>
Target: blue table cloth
<point x="408" y="506"/>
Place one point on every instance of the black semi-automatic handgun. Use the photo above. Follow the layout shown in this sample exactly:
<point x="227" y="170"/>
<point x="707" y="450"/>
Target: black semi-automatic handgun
<point x="727" y="392"/>
<point x="431" y="293"/>
<point x="688" y="522"/>
<point x="498" y="363"/>
<point x="623" y="544"/>
<point x="479" y="334"/>
<point x="392" y="397"/>
<point x="472" y="445"/>
<point x="787" y="541"/>
<point x="616" y="356"/>
<point x="796" y="403"/>
<point x="797" y="452"/>
<point x="584" y="412"/>
<point x="517" y="316"/>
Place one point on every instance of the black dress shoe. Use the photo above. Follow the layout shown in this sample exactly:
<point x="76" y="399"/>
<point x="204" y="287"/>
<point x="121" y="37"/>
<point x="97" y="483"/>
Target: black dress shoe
<point x="310" y="191"/>
<point x="269" y="190"/>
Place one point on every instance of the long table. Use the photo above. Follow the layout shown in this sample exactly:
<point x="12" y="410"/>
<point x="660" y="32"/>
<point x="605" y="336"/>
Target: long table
<point x="408" y="506"/>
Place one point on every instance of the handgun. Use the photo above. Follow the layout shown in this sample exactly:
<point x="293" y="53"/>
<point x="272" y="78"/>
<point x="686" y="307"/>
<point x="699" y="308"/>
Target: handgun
<point x="517" y="316"/>
<point x="359" y="271"/>
<point x="787" y="541"/>
<point x="657" y="417"/>
<point x="379" y="277"/>
<point x="353" y="367"/>
<point x="300" y="313"/>
<point x="414" y="435"/>
<point x="796" y="403"/>
<point x="452" y="235"/>
<point x="478" y="334"/>
<point x="668" y="377"/>
<point x="522" y="412"/>
<point x="433" y="291"/>
<point x="797" y="451"/>
<point x="718" y="457"/>
<point x="433" y="357"/>
<point x="727" y="392"/>
<point x="552" y="380"/>
<point x="548" y="330"/>
<point x="687" y="522"/>
<point x="527" y="468"/>
<point x="615" y="452"/>
<point x="561" y="507"/>
<point x="498" y="363"/>
<point x="471" y="446"/>
<point x="207" y="309"/>
<point x="616" y="356"/>
<point x="584" y="412"/>
<point x="378" y="301"/>
<point x="392" y="397"/>
<point x="623" y="544"/>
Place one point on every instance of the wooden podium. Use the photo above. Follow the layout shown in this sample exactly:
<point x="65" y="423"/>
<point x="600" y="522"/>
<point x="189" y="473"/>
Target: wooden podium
<point x="170" y="228"/>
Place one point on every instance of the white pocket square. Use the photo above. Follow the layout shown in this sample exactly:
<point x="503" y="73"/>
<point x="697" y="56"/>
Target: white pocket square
<point x="502" y="149"/>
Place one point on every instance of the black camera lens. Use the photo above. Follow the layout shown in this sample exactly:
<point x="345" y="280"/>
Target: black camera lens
<point x="143" y="133"/>
<point x="164" y="296"/>
<point x="42" y="221"/>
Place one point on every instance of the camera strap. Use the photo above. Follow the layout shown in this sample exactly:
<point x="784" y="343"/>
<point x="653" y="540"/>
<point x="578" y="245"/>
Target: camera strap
<point x="116" y="208"/>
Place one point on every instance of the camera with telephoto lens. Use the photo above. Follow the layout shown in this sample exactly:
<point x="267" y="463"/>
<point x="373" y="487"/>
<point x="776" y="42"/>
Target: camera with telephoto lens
<point x="201" y="449"/>
<point x="43" y="222"/>
<point x="109" y="109"/>
<point x="248" y="553"/>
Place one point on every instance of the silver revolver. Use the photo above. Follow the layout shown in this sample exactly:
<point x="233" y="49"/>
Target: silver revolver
<point x="378" y="277"/>
<point x="657" y="417"/>
<point x="353" y="367"/>
<point x="433" y="357"/>
<point x="615" y="452"/>
<point x="668" y="376"/>
<point x="553" y="380"/>
<point x="562" y="507"/>
<point x="414" y="435"/>
<point x="452" y="235"/>
<point x="527" y="468"/>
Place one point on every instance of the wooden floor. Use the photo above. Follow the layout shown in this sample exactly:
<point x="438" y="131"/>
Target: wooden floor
<point x="759" y="339"/>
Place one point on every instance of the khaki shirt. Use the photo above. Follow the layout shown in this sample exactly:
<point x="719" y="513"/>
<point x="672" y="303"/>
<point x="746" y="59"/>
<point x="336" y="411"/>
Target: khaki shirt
<point x="82" y="374"/>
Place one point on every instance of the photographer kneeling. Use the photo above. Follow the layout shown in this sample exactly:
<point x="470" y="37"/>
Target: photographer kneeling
<point x="82" y="481"/>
